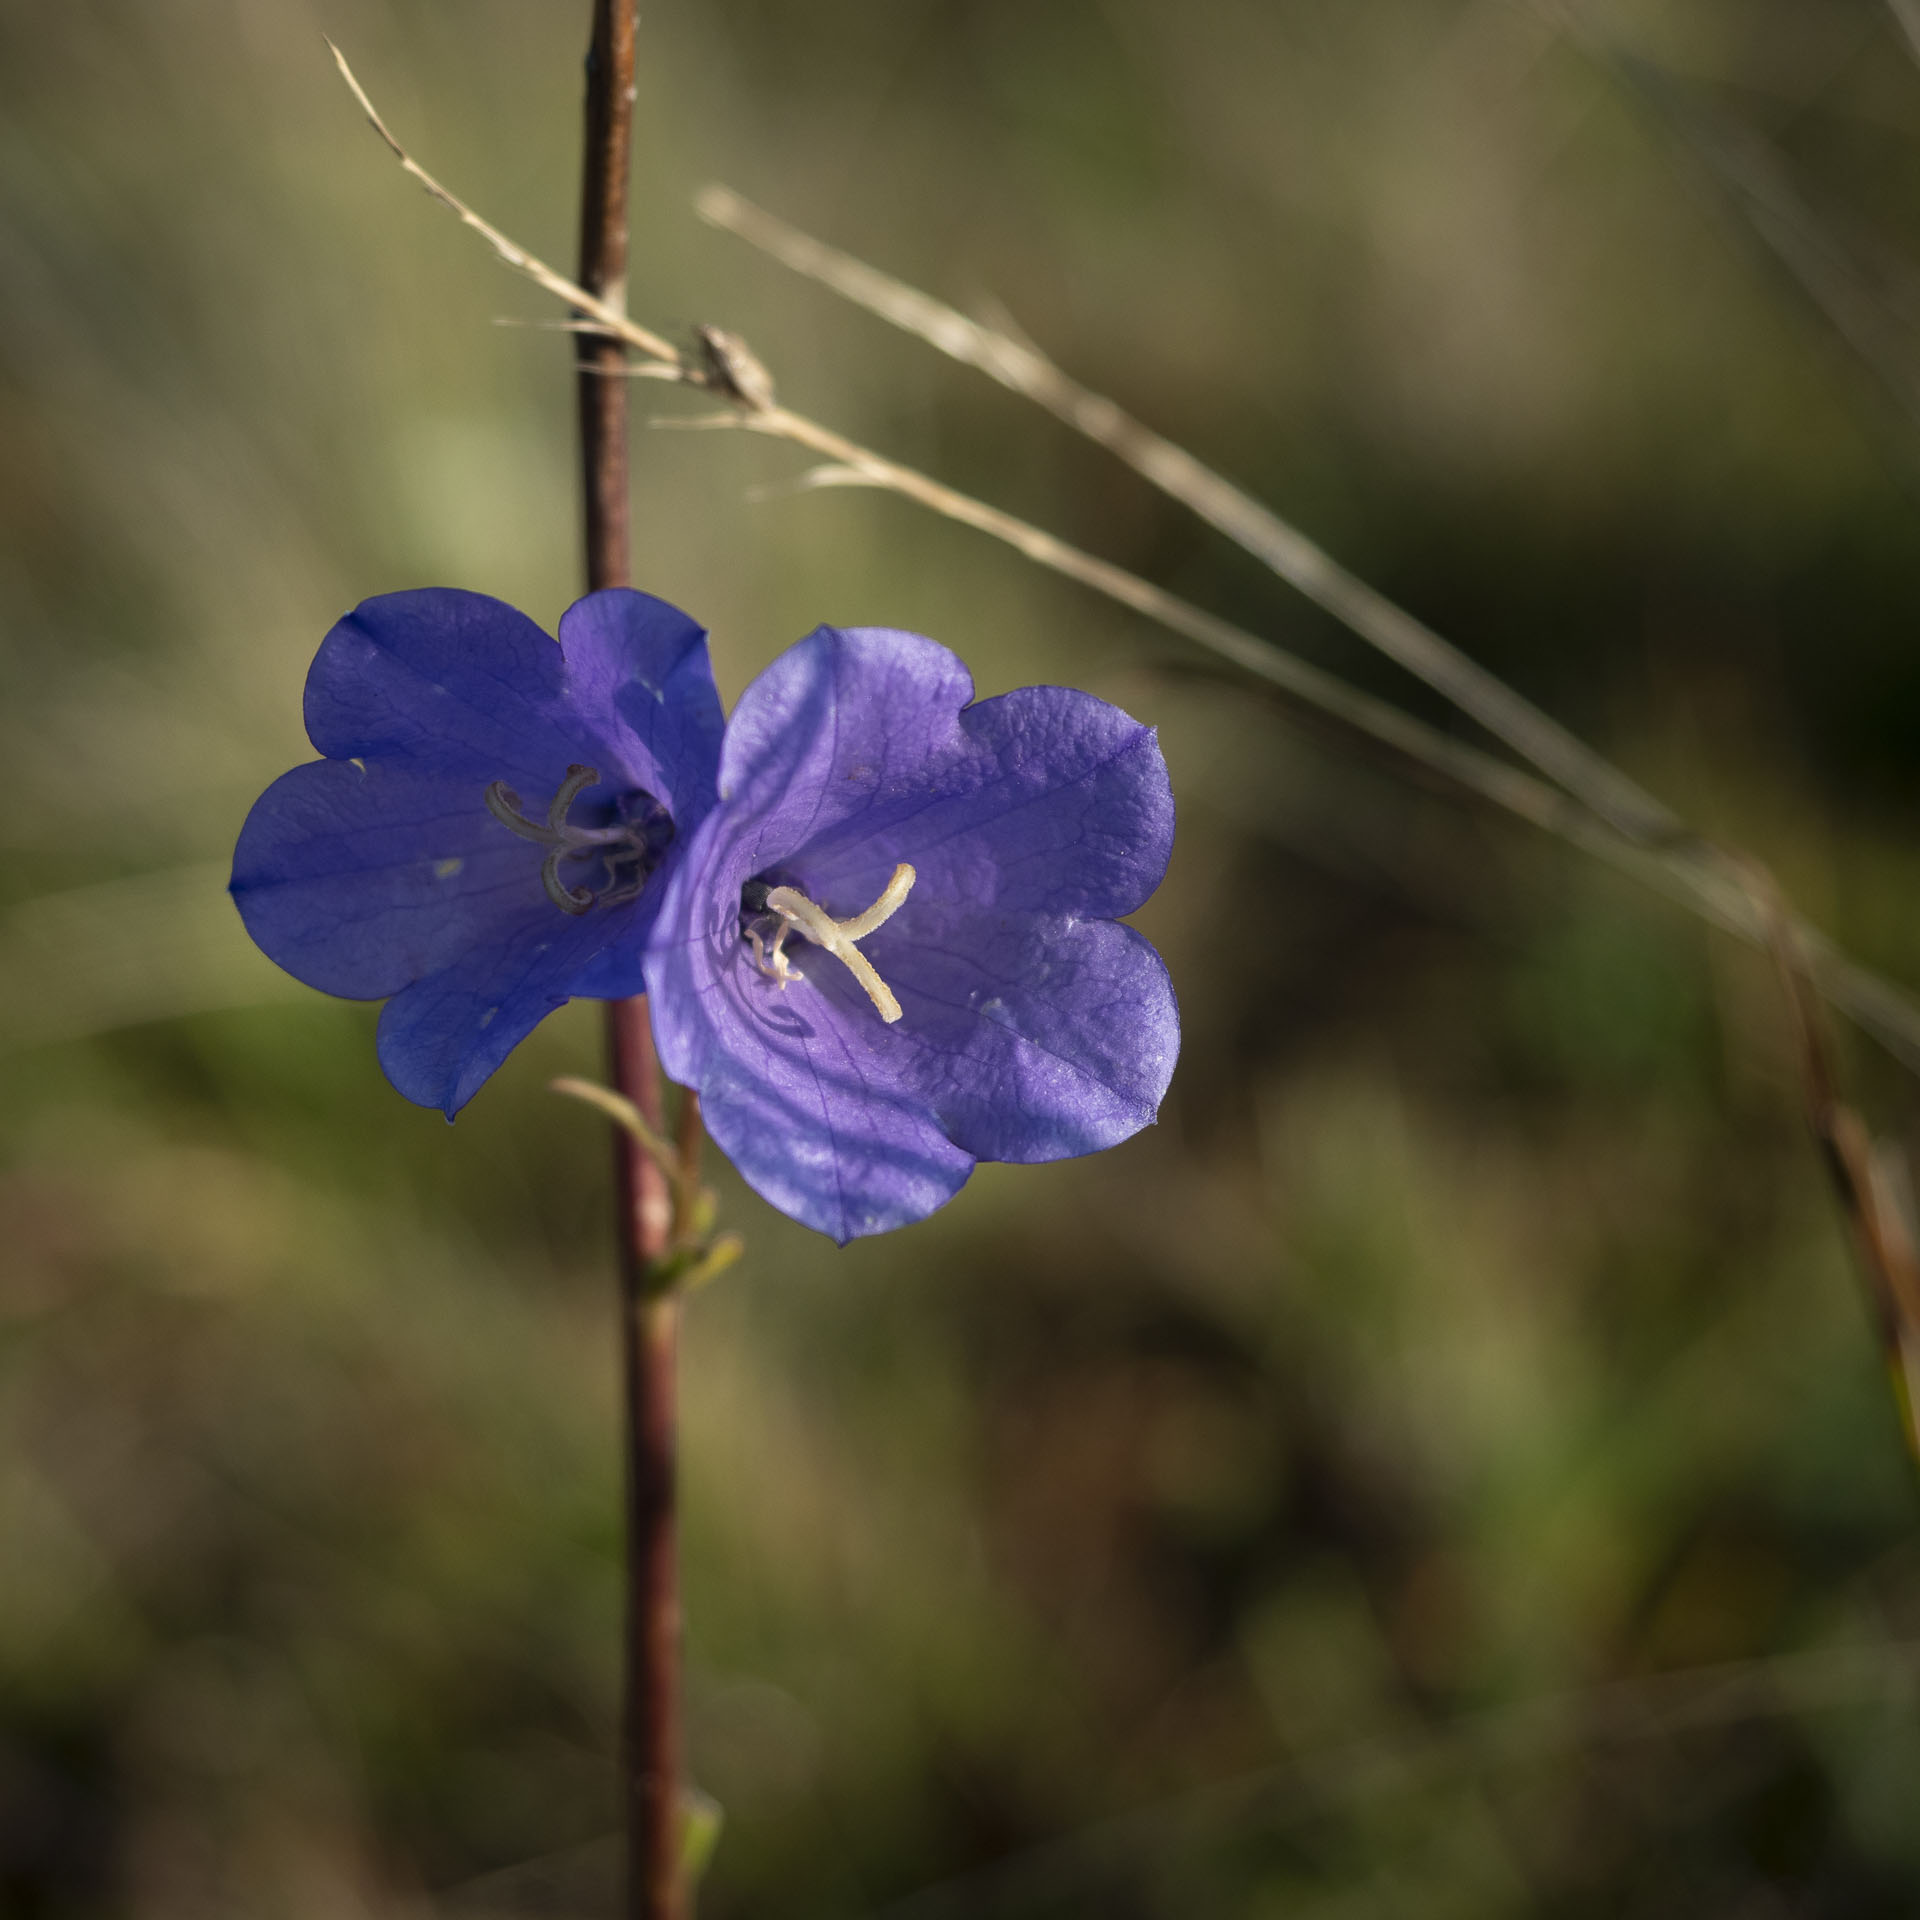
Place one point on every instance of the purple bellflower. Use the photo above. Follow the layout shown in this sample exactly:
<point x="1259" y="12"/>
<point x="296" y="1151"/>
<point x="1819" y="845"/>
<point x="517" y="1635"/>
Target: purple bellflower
<point x="494" y="823"/>
<point x="893" y="948"/>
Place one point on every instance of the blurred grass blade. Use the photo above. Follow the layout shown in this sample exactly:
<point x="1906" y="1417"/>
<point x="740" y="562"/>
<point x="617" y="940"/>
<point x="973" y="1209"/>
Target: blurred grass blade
<point x="1907" y="13"/>
<point x="1638" y="1713"/>
<point x="1754" y="179"/>
<point x="1871" y="1189"/>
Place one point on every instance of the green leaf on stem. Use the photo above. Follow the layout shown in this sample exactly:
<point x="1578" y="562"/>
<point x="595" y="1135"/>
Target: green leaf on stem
<point x="624" y="1114"/>
<point x="701" y="1818"/>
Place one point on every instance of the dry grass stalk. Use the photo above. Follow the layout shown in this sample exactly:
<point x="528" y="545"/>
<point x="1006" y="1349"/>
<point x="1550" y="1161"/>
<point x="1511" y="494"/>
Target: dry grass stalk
<point x="1624" y="821"/>
<point x="1597" y="809"/>
<point x="1868" y="1181"/>
<point x="1025" y="370"/>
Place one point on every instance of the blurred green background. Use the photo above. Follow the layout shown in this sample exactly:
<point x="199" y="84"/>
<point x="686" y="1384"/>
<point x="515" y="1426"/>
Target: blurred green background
<point x="1445" y="1468"/>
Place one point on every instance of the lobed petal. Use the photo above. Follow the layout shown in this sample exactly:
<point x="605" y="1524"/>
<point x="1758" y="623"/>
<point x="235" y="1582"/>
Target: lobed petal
<point x="639" y="677"/>
<point x="618" y="970"/>
<point x="360" y="878"/>
<point x="1029" y="1037"/>
<point x="442" y="1036"/>
<point x="453" y="682"/>
<point x="843" y="726"/>
<point x="1048" y="801"/>
<point x="858" y="749"/>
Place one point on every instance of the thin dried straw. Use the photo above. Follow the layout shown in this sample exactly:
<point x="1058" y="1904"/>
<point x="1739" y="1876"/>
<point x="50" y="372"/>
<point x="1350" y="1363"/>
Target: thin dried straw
<point x="1615" y="818"/>
<point x="1600" y="810"/>
<point x="1870" y="1185"/>
<point x="1842" y="288"/>
<point x="610" y="318"/>
<point x="1025" y="370"/>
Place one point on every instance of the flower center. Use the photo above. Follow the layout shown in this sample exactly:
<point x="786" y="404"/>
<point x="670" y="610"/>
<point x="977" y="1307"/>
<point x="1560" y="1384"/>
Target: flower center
<point x="629" y="848"/>
<point x="798" y="914"/>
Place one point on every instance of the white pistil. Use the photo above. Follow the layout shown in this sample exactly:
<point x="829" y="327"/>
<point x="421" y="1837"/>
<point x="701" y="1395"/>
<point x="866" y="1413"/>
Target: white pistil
<point x="837" y="937"/>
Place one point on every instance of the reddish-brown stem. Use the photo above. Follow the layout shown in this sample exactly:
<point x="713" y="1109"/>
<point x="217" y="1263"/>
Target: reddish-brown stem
<point x="603" y="273"/>
<point x="649" y="1321"/>
<point x="649" y="1332"/>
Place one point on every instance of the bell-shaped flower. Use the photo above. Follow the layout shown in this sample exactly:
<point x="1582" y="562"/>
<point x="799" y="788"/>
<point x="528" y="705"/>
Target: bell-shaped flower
<point x="495" y="821"/>
<point x="893" y="949"/>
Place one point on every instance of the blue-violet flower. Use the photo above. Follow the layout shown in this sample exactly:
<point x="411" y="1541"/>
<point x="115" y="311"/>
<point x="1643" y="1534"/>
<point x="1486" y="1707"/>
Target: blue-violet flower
<point x="495" y="821"/>
<point x="893" y="949"/>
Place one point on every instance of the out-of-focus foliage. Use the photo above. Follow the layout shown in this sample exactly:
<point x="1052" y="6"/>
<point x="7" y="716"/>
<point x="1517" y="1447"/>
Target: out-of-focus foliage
<point x="1445" y="1469"/>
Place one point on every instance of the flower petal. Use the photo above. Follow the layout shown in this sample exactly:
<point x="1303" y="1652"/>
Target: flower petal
<point x="802" y="1094"/>
<point x="636" y="657"/>
<point x="441" y="1037"/>
<point x="464" y="684"/>
<point x="1023" y="1038"/>
<point x="1028" y="1037"/>
<point x="1051" y="802"/>
<point x="454" y="682"/>
<point x="843" y="723"/>
<point x="857" y="750"/>
<point x="358" y="879"/>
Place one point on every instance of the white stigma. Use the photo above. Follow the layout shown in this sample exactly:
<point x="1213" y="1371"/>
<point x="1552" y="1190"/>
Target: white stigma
<point x="837" y="937"/>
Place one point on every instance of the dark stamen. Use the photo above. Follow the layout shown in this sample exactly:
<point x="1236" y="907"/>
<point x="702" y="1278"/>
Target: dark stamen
<point x="633" y="843"/>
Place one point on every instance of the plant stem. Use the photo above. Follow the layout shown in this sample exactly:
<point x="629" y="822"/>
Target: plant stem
<point x="649" y="1321"/>
<point x="1687" y="870"/>
<point x="649" y="1336"/>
